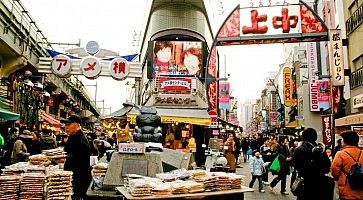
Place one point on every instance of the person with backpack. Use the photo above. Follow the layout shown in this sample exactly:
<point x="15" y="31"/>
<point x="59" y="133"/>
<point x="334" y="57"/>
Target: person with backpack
<point x="312" y="164"/>
<point x="347" y="167"/>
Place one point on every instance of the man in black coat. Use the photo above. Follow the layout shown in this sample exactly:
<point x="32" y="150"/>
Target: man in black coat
<point x="78" y="156"/>
<point x="311" y="163"/>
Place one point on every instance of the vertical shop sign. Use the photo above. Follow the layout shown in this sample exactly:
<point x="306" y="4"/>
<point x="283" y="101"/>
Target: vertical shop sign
<point x="323" y="94"/>
<point x="224" y="90"/>
<point x="326" y="119"/>
<point x="287" y="86"/>
<point x="336" y="57"/>
<point x="313" y="76"/>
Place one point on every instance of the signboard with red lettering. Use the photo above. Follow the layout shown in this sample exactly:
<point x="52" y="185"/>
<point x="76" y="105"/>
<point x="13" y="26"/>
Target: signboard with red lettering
<point x="90" y="67"/>
<point x="287" y="86"/>
<point x="326" y="119"/>
<point x="336" y="57"/>
<point x="175" y="84"/>
<point x="313" y="75"/>
<point x="119" y="68"/>
<point x="61" y="65"/>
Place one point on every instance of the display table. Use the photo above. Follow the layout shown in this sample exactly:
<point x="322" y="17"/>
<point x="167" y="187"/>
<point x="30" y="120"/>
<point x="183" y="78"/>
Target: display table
<point x="225" y="194"/>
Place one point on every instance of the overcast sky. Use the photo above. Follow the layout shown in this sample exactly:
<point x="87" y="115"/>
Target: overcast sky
<point x="112" y="24"/>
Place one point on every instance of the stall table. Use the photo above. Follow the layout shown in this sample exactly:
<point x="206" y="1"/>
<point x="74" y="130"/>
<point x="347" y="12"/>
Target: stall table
<point x="233" y="194"/>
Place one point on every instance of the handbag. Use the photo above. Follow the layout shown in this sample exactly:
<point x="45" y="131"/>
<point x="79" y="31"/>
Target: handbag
<point x="275" y="165"/>
<point x="297" y="188"/>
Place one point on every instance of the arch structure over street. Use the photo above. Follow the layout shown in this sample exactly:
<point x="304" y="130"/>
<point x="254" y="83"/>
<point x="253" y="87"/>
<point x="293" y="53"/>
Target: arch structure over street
<point x="262" y="22"/>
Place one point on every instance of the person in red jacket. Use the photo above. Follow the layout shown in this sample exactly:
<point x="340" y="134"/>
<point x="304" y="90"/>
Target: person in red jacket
<point x="342" y="163"/>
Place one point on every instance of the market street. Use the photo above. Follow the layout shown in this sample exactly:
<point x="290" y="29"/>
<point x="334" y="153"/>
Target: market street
<point x="245" y="170"/>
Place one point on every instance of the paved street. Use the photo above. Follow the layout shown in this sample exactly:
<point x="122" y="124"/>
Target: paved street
<point x="245" y="170"/>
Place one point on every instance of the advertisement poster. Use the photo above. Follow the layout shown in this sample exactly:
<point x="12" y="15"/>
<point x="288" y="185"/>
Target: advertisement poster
<point x="176" y="58"/>
<point x="323" y="94"/>
<point x="287" y="86"/>
<point x="224" y="90"/>
<point x="359" y="131"/>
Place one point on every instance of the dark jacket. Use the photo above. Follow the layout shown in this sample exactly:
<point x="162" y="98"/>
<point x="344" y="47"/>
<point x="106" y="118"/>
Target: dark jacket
<point x="313" y="166"/>
<point x="78" y="161"/>
<point x="47" y="142"/>
<point x="283" y="152"/>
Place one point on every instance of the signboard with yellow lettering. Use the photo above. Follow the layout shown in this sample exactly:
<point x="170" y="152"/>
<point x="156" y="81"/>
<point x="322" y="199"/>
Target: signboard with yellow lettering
<point x="287" y="86"/>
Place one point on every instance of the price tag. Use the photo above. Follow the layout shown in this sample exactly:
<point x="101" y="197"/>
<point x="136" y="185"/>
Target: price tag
<point x="131" y="148"/>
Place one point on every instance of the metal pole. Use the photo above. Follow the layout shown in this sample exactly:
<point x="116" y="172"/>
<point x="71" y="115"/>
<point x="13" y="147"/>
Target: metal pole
<point x="96" y="94"/>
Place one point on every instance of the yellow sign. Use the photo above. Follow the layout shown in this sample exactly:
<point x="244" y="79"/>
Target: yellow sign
<point x="287" y="86"/>
<point x="173" y="119"/>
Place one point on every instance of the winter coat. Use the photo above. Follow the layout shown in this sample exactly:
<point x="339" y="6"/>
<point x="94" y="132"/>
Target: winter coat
<point x="313" y="172"/>
<point x="78" y="161"/>
<point x="47" y="142"/>
<point x="341" y="166"/>
<point x="256" y="166"/>
<point x="230" y="154"/>
<point x="19" y="153"/>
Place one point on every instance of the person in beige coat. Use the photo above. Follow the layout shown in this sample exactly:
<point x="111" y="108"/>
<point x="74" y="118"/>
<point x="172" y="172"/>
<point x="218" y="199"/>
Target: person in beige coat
<point x="20" y="151"/>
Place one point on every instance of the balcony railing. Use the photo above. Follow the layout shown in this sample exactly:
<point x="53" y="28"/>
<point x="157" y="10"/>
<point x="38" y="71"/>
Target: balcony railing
<point x="356" y="78"/>
<point x="355" y="20"/>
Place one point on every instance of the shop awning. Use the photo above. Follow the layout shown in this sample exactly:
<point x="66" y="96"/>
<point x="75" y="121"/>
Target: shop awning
<point x="50" y="120"/>
<point x="349" y="120"/>
<point x="169" y="115"/>
<point x="8" y="115"/>
<point x="293" y="124"/>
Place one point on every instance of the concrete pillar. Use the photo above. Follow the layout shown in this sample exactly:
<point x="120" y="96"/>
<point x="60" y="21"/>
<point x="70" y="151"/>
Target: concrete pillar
<point x="10" y="65"/>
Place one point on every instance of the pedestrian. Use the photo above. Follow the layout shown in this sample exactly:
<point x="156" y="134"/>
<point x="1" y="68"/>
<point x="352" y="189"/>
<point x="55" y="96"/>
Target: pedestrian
<point x="257" y="169"/>
<point x="78" y="156"/>
<point x="245" y="147"/>
<point x="9" y="145"/>
<point x="342" y="163"/>
<point x="20" y="150"/>
<point x="282" y="151"/>
<point x="237" y="152"/>
<point x="338" y="147"/>
<point x="47" y="140"/>
<point x="231" y="147"/>
<point x="312" y="165"/>
<point x="267" y="157"/>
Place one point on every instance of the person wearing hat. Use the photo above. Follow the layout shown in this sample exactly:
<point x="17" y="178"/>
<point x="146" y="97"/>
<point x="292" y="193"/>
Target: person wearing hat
<point x="78" y="156"/>
<point x="20" y="151"/>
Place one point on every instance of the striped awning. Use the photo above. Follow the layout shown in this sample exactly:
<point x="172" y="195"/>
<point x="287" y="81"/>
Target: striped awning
<point x="50" y="120"/>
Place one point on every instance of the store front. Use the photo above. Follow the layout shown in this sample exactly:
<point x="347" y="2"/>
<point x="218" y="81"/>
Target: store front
<point x="351" y="122"/>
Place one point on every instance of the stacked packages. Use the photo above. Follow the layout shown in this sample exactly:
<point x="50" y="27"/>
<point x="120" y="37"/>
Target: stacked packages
<point x="32" y="186"/>
<point x="99" y="169"/>
<point x="140" y="187"/>
<point x="39" y="159"/>
<point x="57" y="155"/>
<point x="59" y="185"/>
<point x="9" y="187"/>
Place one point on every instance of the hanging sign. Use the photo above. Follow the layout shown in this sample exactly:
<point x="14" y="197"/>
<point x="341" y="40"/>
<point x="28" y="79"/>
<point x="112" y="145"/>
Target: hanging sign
<point x="224" y="98"/>
<point x="119" y="68"/>
<point x="313" y="76"/>
<point x="90" y="67"/>
<point x="336" y="57"/>
<point x="287" y="86"/>
<point x="357" y="101"/>
<point x="327" y="138"/>
<point x="323" y="94"/>
<point x="61" y="65"/>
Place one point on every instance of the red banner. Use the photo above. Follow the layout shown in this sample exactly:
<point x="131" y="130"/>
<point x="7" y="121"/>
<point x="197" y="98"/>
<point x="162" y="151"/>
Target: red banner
<point x="175" y="84"/>
<point x="326" y="119"/>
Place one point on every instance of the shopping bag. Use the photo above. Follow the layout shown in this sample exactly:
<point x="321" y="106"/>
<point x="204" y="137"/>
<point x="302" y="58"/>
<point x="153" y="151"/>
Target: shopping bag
<point x="249" y="152"/>
<point x="297" y="188"/>
<point x="275" y="165"/>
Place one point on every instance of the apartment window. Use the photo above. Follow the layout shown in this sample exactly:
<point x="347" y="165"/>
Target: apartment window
<point x="358" y="62"/>
<point x="354" y="6"/>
